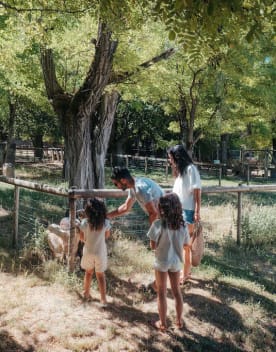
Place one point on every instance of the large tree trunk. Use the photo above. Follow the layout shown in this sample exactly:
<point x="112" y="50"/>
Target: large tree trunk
<point x="86" y="131"/>
<point x="87" y="117"/>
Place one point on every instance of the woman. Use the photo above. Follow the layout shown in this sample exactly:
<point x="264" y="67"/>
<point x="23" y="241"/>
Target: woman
<point x="187" y="186"/>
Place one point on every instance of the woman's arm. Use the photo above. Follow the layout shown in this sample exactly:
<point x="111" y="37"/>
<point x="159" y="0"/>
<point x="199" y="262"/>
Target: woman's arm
<point x="197" y="198"/>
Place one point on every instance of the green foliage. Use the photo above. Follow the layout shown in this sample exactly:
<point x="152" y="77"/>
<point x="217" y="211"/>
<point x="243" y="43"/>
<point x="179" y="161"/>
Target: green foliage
<point x="141" y="126"/>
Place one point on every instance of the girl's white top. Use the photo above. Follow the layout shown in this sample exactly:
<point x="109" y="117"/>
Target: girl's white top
<point x="94" y="240"/>
<point x="169" y="243"/>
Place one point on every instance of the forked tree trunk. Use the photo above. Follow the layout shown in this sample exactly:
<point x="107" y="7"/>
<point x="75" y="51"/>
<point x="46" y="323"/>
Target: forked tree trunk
<point x="87" y="116"/>
<point x="86" y="131"/>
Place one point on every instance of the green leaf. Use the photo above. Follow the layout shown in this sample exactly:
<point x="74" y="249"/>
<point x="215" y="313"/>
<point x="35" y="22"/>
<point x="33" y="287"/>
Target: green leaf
<point x="172" y="35"/>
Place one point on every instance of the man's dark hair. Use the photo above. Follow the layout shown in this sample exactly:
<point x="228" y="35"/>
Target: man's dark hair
<point x="120" y="172"/>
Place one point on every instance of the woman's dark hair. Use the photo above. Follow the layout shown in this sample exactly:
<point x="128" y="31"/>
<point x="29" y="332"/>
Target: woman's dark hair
<point x="170" y="210"/>
<point x="95" y="211"/>
<point x="120" y="172"/>
<point x="180" y="156"/>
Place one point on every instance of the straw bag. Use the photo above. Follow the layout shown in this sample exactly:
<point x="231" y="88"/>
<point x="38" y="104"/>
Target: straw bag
<point x="197" y="244"/>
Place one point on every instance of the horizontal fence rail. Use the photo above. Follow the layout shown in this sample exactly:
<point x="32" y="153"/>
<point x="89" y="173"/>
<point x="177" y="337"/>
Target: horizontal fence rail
<point x="74" y="195"/>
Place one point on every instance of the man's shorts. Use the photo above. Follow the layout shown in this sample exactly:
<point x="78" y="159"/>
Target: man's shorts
<point x="188" y="216"/>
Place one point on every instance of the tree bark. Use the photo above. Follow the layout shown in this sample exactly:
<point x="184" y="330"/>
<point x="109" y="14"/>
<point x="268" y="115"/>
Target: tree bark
<point x="86" y="132"/>
<point x="87" y="116"/>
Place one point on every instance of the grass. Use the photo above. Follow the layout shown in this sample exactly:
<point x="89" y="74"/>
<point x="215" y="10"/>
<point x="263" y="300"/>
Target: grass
<point x="229" y="305"/>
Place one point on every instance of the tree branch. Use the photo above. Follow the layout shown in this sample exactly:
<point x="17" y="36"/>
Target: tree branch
<point x="120" y="78"/>
<point x="42" y="9"/>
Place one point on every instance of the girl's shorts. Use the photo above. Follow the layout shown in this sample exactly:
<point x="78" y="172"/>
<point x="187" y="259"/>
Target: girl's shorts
<point x="188" y="216"/>
<point x="90" y="261"/>
<point x="174" y="267"/>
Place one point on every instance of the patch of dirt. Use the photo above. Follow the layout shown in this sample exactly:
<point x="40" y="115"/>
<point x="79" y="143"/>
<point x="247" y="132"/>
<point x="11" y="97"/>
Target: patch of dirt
<point x="38" y="316"/>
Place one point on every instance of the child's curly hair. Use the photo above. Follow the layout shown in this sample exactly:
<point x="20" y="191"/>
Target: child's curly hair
<point x="170" y="210"/>
<point x="95" y="211"/>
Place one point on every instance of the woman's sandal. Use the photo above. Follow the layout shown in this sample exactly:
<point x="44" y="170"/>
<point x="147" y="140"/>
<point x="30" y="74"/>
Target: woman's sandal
<point x="157" y="325"/>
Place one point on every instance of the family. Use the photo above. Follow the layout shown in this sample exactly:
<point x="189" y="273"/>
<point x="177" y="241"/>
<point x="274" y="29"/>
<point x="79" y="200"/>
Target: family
<point x="171" y="216"/>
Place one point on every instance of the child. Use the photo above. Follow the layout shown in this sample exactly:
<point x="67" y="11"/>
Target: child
<point x="94" y="229"/>
<point x="167" y="237"/>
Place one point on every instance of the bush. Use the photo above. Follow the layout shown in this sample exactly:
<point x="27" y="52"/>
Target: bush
<point x="258" y="226"/>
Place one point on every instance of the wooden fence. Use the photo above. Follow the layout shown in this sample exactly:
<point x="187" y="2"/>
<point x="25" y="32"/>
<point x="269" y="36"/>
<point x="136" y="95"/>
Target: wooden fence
<point x="75" y="194"/>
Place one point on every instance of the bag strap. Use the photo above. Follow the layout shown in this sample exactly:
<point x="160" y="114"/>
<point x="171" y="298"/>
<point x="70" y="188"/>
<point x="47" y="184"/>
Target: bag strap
<point x="194" y="235"/>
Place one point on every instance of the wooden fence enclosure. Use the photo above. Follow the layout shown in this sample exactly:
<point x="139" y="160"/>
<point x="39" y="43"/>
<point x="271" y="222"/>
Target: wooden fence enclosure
<point x="73" y="195"/>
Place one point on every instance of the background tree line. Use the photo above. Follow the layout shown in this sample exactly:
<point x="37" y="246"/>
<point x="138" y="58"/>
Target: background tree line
<point x="126" y="75"/>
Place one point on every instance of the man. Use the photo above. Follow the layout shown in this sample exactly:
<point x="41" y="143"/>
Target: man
<point x="142" y="189"/>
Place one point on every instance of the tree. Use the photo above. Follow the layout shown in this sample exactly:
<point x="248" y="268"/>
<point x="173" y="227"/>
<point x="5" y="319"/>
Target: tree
<point x="88" y="113"/>
<point x="141" y="128"/>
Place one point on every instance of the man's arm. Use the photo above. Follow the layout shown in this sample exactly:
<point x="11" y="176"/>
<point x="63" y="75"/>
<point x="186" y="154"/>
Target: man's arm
<point x="152" y="211"/>
<point x="122" y="209"/>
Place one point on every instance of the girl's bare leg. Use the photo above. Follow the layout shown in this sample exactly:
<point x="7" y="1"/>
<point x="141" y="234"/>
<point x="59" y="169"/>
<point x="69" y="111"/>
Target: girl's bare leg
<point x="175" y="286"/>
<point x="161" y="285"/>
<point x="87" y="282"/>
<point x="102" y="286"/>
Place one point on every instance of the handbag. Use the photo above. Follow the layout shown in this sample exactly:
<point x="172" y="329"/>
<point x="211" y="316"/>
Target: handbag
<point x="197" y="244"/>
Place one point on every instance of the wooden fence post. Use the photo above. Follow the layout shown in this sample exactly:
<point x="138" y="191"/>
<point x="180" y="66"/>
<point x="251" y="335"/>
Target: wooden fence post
<point x="146" y="165"/>
<point x="239" y="218"/>
<point x="71" y="253"/>
<point x="248" y="174"/>
<point x="16" y="216"/>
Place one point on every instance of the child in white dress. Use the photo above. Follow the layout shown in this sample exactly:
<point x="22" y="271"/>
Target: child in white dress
<point x="167" y="237"/>
<point x="94" y="229"/>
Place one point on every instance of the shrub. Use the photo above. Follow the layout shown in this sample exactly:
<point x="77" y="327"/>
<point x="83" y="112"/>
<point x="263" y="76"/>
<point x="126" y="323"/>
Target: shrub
<point x="258" y="226"/>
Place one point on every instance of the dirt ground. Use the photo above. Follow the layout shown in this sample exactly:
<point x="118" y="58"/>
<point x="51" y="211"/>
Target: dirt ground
<point x="40" y="316"/>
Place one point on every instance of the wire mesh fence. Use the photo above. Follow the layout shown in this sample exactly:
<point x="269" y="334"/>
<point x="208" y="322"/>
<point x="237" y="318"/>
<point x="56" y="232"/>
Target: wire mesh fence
<point x="38" y="209"/>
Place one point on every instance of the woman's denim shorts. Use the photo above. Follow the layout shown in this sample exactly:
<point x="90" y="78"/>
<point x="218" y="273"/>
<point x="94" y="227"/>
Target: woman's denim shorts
<point x="188" y="216"/>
